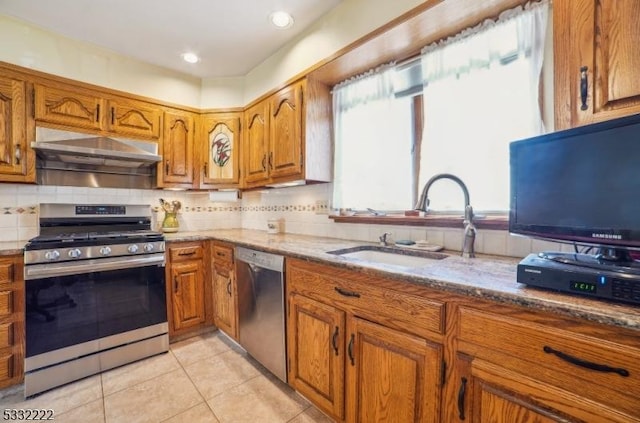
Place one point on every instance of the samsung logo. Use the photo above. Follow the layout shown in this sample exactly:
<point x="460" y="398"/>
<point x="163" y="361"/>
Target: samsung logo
<point x="606" y="236"/>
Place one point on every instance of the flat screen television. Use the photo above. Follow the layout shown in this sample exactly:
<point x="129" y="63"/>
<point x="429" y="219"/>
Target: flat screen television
<point x="580" y="185"/>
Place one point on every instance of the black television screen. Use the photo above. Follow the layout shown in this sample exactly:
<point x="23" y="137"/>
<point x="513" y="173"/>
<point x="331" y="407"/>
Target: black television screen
<point x="580" y="185"/>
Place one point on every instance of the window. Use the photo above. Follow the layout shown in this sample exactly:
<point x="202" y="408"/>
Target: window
<point x="477" y="92"/>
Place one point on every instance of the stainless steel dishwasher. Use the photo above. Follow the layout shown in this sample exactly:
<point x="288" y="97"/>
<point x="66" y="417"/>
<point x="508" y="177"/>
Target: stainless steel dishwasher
<point x="261" y="308"/>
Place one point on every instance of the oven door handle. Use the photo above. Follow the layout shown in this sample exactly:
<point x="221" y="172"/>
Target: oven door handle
<point x="50" y="270"/>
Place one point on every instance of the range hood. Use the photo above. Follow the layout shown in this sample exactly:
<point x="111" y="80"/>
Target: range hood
<point x="70" y="158"/>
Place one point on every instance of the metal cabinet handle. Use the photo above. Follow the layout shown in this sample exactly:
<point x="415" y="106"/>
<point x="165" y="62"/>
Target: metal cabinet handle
<point x="350" y="350"/>
<point x="271" y="160"/>
<point x="229" y="287"/>
<point x="190" y="253"/>
<point x="166" y="167"/>
<point x="461" y="393"/>
<point x="18" y="154"/>
<point x="346" y="293"/>
<point x="113" y="115"/>
<point x="206" y="168"/>
<point x="264" y="162"/>
<point x="584" y="87"/>
<point x="334" y="340"/>
<point x="175" y="284"/>
<point x="98" y="112"/>
<point x="586" y="364"/>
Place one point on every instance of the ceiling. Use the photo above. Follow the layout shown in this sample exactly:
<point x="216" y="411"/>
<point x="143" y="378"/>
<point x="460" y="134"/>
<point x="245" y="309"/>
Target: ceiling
<point x="231" y="36"/>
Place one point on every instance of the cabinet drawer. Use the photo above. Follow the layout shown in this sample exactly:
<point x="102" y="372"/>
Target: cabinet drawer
<point x="6" y="303"/>
<point x="362" y="297"/>
<point x="604" y="371"/>
<point x="7" y="272"/>
<point x="222" y="256"/>
<point x="6" y="366"/>
<point x="6" y="335"/>
<point x="187" y="252"/>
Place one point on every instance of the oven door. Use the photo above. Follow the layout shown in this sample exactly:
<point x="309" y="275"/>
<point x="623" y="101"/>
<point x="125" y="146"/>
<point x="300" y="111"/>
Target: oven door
<point x="76" y="302"/>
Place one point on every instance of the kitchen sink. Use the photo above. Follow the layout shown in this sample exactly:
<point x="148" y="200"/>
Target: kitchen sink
<point x="390" y="255"/>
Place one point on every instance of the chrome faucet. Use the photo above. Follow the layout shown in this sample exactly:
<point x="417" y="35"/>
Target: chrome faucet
<point x="384" y="239"/>
<point x="469" y="228"/>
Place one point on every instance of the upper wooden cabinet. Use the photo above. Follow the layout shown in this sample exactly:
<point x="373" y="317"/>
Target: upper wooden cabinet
<point x="176" y="168"/>
<point x="16" y="156"/>
<point x="130" y="117"/>
<point x="287" y="136"/>
<point x="68" y="107"/>
<point x="256" y="144"/>
<point x="596" y="60"/>
<point x="219" y="145"/>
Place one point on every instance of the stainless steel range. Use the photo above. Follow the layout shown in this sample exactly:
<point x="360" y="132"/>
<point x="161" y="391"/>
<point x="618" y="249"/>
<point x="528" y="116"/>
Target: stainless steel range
<point x="95" y="292"/>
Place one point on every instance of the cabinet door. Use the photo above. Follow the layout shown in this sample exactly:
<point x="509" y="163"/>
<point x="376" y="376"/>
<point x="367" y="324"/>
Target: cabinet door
<point x="596" y="42"/>
<point x="391" y="376"/>
<point x="68" y="108"/>
<point x="219" y="157"/>
<point x="224" y="295"/>
<point x="256" y="144"/>
<point x="14" y="152"/>
<point x="188" y="301"/>
<point x="285" y="155"/>
<point x="316" y="353"/>
<point x="128" y="117"/>
<point x="177" y="150"/>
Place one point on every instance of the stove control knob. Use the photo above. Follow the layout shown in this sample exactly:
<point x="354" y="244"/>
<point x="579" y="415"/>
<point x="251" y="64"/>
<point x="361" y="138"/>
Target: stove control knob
<point x="105" y="251"/>
<point x="133" y="248"/>
<point x="148" y="248"/>
<point x="75" y="253"/>
<point x="52" y="255"/>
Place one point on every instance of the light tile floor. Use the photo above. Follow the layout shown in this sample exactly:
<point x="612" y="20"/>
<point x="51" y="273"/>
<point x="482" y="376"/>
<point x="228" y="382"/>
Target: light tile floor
<point x="206" y="378"/>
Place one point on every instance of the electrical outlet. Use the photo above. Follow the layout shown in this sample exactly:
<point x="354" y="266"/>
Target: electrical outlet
<point x="322" y="207"/>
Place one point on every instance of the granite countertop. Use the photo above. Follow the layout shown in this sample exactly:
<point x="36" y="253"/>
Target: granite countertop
<point x="488" y="277"/>
<point x="12" y="248"/>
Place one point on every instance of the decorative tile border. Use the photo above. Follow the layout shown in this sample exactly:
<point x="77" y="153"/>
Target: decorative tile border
<point x="244" y="209"/>
<point x="19" y="210"/>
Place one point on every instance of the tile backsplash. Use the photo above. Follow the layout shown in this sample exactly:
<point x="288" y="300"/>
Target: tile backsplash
<point x="301" y="210"/>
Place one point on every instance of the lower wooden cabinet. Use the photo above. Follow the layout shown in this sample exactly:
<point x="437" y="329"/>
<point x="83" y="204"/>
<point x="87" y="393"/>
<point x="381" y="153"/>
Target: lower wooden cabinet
<point x="353" y="369"/>
<point x="12" y="312"/>
<point x="224" y="290"/>
<point x="188" y="293"/>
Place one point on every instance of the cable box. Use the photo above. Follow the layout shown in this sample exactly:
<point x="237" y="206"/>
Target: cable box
<point x="608" y="281"/>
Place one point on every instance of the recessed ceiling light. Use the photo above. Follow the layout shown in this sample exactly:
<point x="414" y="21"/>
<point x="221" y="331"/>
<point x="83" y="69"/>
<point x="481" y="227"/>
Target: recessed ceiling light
<point x="281" y="19"/>
<point x="190" y="57"/>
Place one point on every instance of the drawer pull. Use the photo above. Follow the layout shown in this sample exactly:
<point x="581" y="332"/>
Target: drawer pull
<point x="229" y="287"/>
<point x="334" y="341"/>
<point x="461" y="393"/>
<point x="584" y="87"/>
<point x="350" y="351"/>
<point x="586" y="364"/>
<point x="175" y="284"/>
<point x="190" y="253"/>
<point x="346" y="293"/>
<point x="219" y="254"/>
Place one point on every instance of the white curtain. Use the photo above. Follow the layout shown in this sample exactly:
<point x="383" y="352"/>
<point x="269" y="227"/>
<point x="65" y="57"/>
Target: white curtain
<point x="481" y="91"/>
<point x="372" y="143"/>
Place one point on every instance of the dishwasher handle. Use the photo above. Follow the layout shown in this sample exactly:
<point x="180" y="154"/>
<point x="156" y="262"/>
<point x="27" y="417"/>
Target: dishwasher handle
<point x="260" y="259"/>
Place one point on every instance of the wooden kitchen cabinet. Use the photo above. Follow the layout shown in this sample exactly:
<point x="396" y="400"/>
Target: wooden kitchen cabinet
<point x="72" y="108"/>
<point x="12" y="341"/>
<point x="219" y="145"/>
<point x="288" y="136"/>
<point x="595" y="41"/>
<point x="188" y="292"/>
<point x="522" y="366"/>
<point x="134" y="118"/>
<point x="176" y="169"/>
<point x="356" y="360"/>
<point x="16" y="156"/>
<point x="225" y="294"/>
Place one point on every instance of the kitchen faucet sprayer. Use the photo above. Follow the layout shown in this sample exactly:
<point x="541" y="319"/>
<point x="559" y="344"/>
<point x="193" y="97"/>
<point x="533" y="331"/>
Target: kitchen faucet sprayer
<point x="469" y="228"/>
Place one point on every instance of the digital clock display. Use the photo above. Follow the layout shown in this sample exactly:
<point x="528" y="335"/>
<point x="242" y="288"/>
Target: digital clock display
<point x="583" y="287"/>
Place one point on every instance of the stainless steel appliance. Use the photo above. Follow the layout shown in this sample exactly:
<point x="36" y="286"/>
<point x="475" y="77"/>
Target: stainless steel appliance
<point x="261" y="308"/>
<point x="95" y="292"/>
